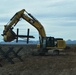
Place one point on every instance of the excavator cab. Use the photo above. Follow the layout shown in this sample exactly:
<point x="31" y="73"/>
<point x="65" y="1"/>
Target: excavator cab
<point x="51" y="42"/>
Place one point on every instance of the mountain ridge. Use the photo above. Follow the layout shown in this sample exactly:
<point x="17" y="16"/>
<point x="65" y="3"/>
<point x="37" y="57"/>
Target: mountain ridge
<point x="34" y="42"/>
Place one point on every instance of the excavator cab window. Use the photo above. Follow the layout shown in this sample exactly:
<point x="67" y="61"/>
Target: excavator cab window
<point x="48" y="42"/>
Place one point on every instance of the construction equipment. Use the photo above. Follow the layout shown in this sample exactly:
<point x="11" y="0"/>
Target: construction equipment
<point x="46" y="43"/>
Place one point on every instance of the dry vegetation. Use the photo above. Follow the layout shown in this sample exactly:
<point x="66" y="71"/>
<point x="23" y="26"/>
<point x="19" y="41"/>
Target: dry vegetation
<point x="63" y="64"/>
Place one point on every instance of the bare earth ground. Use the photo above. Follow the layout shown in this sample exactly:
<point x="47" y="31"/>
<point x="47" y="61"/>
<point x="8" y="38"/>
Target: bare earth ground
<point x="63" y="64"/>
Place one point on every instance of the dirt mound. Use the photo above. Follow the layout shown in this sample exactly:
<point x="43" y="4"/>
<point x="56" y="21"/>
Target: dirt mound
<point x="63" y="64"/>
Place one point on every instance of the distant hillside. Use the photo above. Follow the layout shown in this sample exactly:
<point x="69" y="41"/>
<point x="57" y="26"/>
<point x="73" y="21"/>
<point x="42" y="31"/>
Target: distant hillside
<point x="71" y="42"/>
<point x="34" y="42"/>
<point x="20" y="42"/>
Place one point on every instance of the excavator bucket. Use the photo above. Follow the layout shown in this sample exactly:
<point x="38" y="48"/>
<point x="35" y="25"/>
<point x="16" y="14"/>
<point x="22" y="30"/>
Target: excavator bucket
<point x="9" y="36"/>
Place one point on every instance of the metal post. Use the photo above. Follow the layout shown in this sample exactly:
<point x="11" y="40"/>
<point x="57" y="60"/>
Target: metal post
<point x="17" y="35"/>
<point x="28" y="36"/>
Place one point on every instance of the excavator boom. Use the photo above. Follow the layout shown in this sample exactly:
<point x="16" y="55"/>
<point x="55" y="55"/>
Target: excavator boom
<point x="15" y="19"/>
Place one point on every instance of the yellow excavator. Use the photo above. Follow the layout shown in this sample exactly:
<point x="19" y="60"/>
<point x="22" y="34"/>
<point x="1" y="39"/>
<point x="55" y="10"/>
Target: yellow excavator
<point x="46" y="43"/>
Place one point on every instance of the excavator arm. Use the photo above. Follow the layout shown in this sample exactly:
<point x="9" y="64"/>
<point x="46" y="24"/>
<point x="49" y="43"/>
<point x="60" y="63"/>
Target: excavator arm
<point x="8" y="33"/>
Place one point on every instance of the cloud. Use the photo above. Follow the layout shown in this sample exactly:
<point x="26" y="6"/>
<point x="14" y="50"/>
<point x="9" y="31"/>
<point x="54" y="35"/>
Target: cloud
<point x="57" y="16"/>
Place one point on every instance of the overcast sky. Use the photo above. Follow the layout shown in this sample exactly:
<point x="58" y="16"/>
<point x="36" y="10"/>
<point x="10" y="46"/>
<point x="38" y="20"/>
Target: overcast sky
<point x="57" y="16"/>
